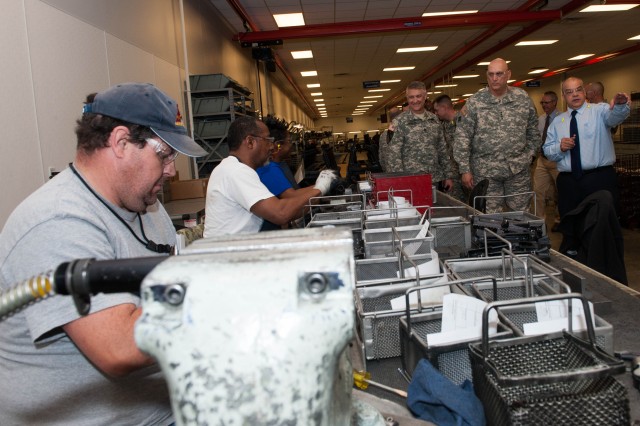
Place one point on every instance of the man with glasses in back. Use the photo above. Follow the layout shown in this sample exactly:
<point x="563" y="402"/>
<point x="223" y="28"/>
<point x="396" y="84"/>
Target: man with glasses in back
<point x="237" y="201"/>
<point x="57" y="367"/>
<point x="545" y="172"/>
<point x="584" y="151"/>
<point x="497" y="139"/>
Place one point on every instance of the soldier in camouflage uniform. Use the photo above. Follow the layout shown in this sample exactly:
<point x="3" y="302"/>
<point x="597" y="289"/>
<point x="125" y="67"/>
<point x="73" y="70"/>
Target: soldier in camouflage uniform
<point x="418" y="144"/>
<point x="449" y="118"/>
<point x="497" y="140"/>
<point x="385" y="138"/>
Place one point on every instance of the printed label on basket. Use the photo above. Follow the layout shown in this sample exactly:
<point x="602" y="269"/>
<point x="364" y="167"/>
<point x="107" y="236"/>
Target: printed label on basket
<point x="462" y="320"/>
<point x="430" y="296"/>
<point x="431" y="267"/>
<point x="552" y="317"/>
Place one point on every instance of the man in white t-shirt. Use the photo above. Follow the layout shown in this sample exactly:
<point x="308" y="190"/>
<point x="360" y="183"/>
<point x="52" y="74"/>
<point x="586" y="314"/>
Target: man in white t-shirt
<point x="237" y="201"/>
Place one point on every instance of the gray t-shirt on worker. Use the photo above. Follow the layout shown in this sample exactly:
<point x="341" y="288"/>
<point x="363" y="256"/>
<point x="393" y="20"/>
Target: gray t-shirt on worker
<point x="44" y="378"/>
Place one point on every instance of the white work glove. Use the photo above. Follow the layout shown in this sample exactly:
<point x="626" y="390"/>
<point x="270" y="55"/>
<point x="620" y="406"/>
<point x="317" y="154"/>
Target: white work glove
<point x="324" y="181"/>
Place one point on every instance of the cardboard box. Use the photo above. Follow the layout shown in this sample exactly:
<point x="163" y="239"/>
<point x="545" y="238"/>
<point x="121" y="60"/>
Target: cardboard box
<point x="184" y="189"/>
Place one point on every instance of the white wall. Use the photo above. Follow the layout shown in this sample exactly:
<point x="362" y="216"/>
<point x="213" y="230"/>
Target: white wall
<point x="55" y="52"/>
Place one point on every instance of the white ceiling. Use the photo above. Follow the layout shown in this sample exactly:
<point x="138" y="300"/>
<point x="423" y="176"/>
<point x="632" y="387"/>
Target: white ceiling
<point x="344" y="62"/>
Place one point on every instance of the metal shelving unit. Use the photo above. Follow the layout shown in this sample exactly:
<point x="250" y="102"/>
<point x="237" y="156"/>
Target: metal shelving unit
<point x="216" y="101"/>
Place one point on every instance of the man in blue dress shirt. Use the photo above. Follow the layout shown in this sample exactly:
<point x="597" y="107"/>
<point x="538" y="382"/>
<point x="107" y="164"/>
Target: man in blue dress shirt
<point x="584" y="149"/>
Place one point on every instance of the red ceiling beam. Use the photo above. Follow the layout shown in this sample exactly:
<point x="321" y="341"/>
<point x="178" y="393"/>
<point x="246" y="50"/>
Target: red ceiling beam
<point x="242" y="13"/>
<point x="568" y="8"/>
<point x="398" y="24"/>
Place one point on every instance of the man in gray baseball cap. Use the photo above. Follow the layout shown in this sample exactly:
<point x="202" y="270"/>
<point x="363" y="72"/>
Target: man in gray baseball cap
<point x="87" y="370"/>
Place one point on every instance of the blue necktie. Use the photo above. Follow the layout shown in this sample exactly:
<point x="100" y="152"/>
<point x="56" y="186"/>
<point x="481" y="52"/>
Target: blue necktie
<point x="576" y="165"/>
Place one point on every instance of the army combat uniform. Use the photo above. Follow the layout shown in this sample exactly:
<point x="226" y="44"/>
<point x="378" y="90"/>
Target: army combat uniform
<point x="449" y="129"/>
<point x="418" y="146"/>
<point x="496" y="141"/>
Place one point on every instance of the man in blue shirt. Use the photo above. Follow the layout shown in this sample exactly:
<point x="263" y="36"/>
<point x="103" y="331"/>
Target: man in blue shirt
<point x="591" y="168"/>
<point x="276" y="174"/>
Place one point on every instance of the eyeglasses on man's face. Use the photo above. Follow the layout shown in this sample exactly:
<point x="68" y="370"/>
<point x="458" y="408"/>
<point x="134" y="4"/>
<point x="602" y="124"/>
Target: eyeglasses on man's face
<point x="269" y="139"/>
<point x="578" y="89"/>
<point x="497" y="74"/>
<point x="166" y="153"/>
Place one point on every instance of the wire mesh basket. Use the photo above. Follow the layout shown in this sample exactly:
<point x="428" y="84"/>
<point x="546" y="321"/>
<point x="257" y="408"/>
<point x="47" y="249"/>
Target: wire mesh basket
<point x="547" y="381"/>
<point x="382" y="242"/>
<point x="378" y="321"/>
<point x="452" y="360"/>
<point x="386" y="270"/>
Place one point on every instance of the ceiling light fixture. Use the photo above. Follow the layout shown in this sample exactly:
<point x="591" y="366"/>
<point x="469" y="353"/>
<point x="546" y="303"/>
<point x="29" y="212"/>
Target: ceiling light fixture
<point x="580" y="57"/>
<point x="536" y="42"/>
<point x="434" y="93"/>
<point x="312" y="85"/>
<point x="609" y="7"/>
<point x="635" y="37"/>
<point x="442" y="86"/>
<point x="289" y="19"/>
<point x="398" y="81"/>
<point x="457" y="12"/>
<point x="487" y="63"/>
<point x="316" y="94"/>
<point x="309" y="73"/>
<point x="466" y="76"/>
<point x="416" y="49"/>
<point x="537" y="70"/>
<point x="375" y="96"/>
<point x="398" y="69"/>
<point x="510" y="81"/>
<point x="379" y="90"/>
<point x="319" y="105"/>
<point x="302" y="54"/>
<point x="318" y="100"/>
<point x="368" y="102"/>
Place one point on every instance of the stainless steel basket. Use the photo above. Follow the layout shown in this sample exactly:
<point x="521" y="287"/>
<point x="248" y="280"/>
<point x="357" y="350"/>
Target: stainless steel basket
<point x="545" y="380"/>
<point x="452" y="360"/>
<point x="387" y="270"/>
<point x="382" y="242"/>
<point x="378" y="322"/>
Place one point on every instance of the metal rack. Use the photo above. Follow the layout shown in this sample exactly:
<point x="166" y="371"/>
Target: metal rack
<point x="216" y="101"/>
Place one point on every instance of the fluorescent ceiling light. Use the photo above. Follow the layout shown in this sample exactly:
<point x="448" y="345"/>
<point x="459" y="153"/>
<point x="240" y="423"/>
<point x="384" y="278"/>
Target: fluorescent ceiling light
<point x="466" y="76"/>
<point x="371" y="131"/>
<point x="368" y="102"/>
<point x="319" y="105"/>
<point x="337" y="134"/>
<point x="398" y="69"/>
<point x="316" y="94"/>
<point x="311" y="86"/>
<point x="442" y="86"/>
<point x="416" y="49"/>
<point x="560" y="70"/>
<point x="510" y="81"/>
<point x="454" y="99"/>
<point x="457" y="12"/>
<point x="433" y="93"/>
<point x="608" y="7"/>
<point x="375" y="96"/>
<point x="579" y="57"/>
<point x="318" y="100"/>
<point x="309" y="73"/>
<point x="352" y="133"/>
<point x="535" y="42"/>
<point x="398" y="81"/>
<point x="538" y="70"/>
<point x="635" y="38"/>
<point x="289" y="19"/>
<point x="302" y="54"/>
<point x="487" y="63"/>
<point x="379" y="90"/>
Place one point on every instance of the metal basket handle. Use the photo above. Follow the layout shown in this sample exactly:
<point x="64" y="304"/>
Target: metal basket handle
<point x="486" y="246"/>
<point x="436" y="285"/>
<point x="514" y="302"/>
<point x="401" y="256"/>
<point x="507" y="196"/>
<point x="531" y="261"/>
